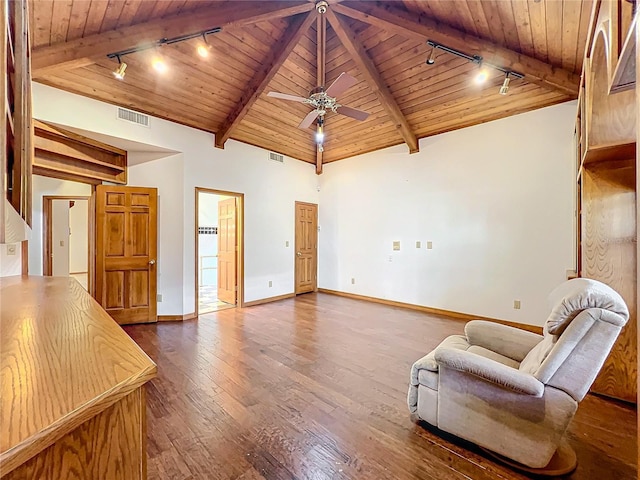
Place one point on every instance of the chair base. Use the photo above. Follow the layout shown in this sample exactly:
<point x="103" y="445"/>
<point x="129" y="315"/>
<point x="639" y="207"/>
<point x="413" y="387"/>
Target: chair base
<point x="564" y="461"/>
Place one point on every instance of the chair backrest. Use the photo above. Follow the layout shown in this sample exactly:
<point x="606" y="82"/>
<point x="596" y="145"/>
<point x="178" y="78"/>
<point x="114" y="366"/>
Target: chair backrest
<point x="583" y="326"/>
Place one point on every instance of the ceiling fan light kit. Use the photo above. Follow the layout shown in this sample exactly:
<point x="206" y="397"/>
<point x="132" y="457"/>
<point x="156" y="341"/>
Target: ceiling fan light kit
<point x="483" y="74"/>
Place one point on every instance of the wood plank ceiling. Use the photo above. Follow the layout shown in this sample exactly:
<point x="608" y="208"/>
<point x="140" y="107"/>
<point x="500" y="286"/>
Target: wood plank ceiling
<point x="272" y="46"/>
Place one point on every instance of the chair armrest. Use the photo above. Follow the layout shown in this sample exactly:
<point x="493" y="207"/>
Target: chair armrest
<point x="490" y="370"/>
<point x="508" y="341"/>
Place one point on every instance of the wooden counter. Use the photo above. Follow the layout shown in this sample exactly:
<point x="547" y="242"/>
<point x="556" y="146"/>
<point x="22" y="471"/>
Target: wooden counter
<point x="72" y="402"/>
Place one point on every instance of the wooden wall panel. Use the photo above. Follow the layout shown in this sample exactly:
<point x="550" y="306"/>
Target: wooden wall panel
<point x="609" y="255"/>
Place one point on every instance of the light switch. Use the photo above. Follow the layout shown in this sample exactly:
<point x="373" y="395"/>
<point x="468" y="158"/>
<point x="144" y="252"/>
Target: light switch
<point x="516" y="304"/>
<point x="286" y="244"/>
<point x="396" y="245"/>
<point x="429" y="245"/>
<point x="62" y="243"/>
<point x="418" y="244"/>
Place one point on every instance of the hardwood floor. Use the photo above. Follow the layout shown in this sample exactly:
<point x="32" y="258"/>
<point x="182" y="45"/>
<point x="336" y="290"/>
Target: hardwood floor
<point x="315" y="388"/>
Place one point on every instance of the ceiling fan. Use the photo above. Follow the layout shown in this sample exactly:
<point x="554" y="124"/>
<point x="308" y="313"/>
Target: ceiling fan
<point x="320" y="99"/>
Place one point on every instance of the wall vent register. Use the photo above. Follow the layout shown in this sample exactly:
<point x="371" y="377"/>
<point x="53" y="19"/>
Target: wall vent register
<point x="276" y="157"/>
<point x="207" y="230"/>
<point x="133" y="117"/>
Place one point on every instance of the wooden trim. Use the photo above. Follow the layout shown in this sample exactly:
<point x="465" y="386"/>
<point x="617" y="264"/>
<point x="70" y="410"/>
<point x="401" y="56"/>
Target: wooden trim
<point x="269" y="300"/>
<point x="277" y="56"/>
<point x="421" y="27"/>
<point x="47" y="225"/>
<point x="240" y="235"/>
<point x="434" y="311"/>
<point x="177" y="318"/>
<point x="367" y="68"/>
<point x="25" y="257"/>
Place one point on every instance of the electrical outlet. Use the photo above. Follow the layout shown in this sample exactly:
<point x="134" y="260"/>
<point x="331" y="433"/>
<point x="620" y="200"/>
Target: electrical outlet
<point x="418" y="244"/>
<point x="396" y="246"/>
<point x="286" y="244"/>
<point x="11" y="249"/>
<point x="353" y="281"/>
<point x="516" y="304"/>
<point x="270" y="283"/>
<point x="390" y="258"/>
<point x="429" y="245"/>
<point x="159" y="297"/>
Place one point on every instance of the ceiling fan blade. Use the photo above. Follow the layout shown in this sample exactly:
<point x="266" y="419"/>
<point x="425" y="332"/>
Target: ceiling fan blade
<point x="308" y="120"/>
<point x="343" y="83"/>
<point x="286" y="96"/>
<point x="353" y="113"/>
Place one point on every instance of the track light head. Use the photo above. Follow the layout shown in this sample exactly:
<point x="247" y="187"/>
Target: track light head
<point x="432" y="56"/>
<point x="482" y="76"/>
<point x="158" y="65"/>
<point x="120" y="71"/>
<point x="504" y="89"/>
<point x="204" y="47"/>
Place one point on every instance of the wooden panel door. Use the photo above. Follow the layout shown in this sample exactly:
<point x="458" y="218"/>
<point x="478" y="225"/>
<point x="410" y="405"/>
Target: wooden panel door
<point x="227" y="251"/>
<point x="126" y="248"/>
<point x="306" y="276"/>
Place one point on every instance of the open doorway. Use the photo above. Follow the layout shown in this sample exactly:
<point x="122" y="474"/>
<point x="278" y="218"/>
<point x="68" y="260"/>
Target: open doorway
<point x="219" y="247"/>
<point x="66" y="238"/>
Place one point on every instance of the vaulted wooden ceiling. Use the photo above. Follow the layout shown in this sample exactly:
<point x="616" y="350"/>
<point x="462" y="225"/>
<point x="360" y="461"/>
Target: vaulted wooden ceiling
<point x="273" y="46"/>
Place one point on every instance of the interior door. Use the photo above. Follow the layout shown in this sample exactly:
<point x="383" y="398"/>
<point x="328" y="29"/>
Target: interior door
<point x="126" y="248"/>
<point x="306" y="276"/>
<point x="227" y="251"/>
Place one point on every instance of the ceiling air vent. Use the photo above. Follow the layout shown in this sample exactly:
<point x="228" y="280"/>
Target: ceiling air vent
<point x="133" y="117"/>
<point x="276" y="157"/>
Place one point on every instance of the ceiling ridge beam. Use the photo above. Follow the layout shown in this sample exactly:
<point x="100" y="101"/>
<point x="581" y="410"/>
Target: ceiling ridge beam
<point x="277" y="56"/>
<point x="422" y="27"/>
<point x="366" y="66"/>
<point x="84" y="51"/>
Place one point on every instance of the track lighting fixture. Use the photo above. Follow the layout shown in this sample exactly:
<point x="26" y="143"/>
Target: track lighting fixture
<point x="504" y="89"/>
<point x="483" y="74"/>
<point x="120" y="71"/>
<point x="158" y="64"/>
<point x="432" y="57"/>
<point x="203" y="48"/>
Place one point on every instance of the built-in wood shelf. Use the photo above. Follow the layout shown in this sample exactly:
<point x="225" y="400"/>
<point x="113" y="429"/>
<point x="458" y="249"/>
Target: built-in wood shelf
<point x="624" y="77"/>
<point x="65" y="154"/>
<point x="599" y="153"/>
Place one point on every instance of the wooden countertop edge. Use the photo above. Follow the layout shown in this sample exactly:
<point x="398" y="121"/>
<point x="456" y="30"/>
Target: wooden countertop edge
<point x="29" y="448"/>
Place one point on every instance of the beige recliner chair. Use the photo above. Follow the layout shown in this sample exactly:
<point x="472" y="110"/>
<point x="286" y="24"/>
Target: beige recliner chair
<point x="514" y="392"/>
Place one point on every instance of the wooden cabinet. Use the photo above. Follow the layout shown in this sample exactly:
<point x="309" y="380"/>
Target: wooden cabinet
<point x="607" y="195"/>
<point x="73" y="399"/>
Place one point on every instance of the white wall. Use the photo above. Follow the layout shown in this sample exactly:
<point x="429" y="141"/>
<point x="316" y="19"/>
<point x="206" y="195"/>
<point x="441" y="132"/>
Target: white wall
<point x="495" y="199"/>
<point x="60" y="238"/>
<point x="270" y="190"/>
<point x="10" y="264"/>
<point x="47" y="186"/>
<point x="79" y="238"/>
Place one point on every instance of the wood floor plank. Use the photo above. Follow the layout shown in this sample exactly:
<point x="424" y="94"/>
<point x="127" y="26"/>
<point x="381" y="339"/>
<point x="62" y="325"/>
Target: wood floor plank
<point x="314" y="387"/>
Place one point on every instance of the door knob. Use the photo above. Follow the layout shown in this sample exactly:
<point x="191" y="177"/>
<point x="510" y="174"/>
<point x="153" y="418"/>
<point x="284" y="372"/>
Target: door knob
<point x="299" y="254"/>
<point x="152" y="262"/>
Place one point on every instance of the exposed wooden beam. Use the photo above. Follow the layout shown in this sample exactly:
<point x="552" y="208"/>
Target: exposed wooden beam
<point x="279" y="53"/>
<point x="321" y="45"/>
<point x="318" y="162"/>
<point x="421" y="27"/>
<point x="368" y="69"/>
<point x="83" y="51"/>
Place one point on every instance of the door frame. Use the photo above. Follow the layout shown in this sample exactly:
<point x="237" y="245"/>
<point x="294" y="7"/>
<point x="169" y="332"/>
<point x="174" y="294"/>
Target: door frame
<point x="47" y="232"/>
<point x="295" y="247"/>
<point x="240" y="238"/>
